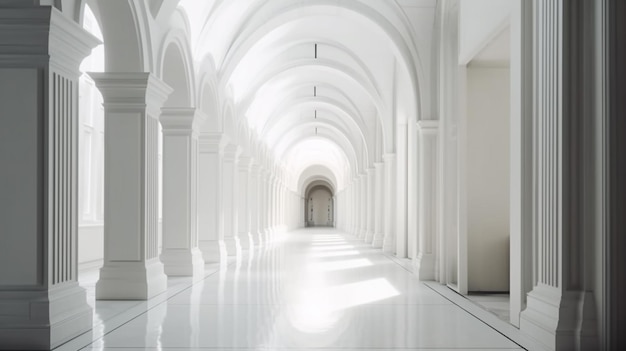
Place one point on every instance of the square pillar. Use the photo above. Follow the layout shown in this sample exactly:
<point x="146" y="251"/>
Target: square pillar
<point x="425" y="263"/>
<point x="401" y="233"/>
<point x="369" y="236"/>
<point x="181" y="255"/>
<point x="41" y="303"/>
<point x="253" y="204"/>
<point x="132" y="105"/>
<point x="363" y="205"/>
<point x="210" y="218"/>
<point x="244" y="212"/>
<point x="230" y="185"/>
<point x="377" y="240"/>
<point x="389" y="241"/>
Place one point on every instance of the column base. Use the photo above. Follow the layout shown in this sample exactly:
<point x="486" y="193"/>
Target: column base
<point x="261" y="238"/>
<point x="254" y="239"/>
<point x="43" y="320"/>
<point x="131" y="280"/>
<point x="233" y="246"/>
<point x="266" y="236"/>
<point x="424" y="266"/>
<point x="369" y="237"/>
<point x="213" y="251"/>
<point x="389" y="244"/>
<point x="245" y="240"/>
<point x="377" y="241"/>
<point x="183" y="262"/>
<point x="560" y="321"/>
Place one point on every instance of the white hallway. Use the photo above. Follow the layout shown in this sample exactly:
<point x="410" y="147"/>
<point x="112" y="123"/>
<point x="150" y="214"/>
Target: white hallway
<point x="472" y="151"/>
<point x="312" y="289"/>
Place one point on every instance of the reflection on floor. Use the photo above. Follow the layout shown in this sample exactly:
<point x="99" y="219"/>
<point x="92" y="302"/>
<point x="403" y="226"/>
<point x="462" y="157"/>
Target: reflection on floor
<point x="309" y="289"/>
<point x="497" y="304"/>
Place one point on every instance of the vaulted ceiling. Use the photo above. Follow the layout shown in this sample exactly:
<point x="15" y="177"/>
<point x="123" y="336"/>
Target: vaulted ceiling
<point x="321" y="83"/>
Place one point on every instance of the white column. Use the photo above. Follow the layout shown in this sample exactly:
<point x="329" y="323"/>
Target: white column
<point x="379" y="201"/>
<point x="181" y="255"/>
<point x="41" y="303"/>
<point x="132" y="105"/>
<point x="425" y="263"/>
<point x="389" y="242"/>
<point x="271" y="224"/>
<point x="357" y="205"/>
<point x="263" y="206"/>
<point x="244" y="213"/>
<point x="369" y="236"/>
<point x="412" y="191"/>
<point x="253" y="205"/>
<point x="401" y="234"/>
<point x="210" y="219"/>
<point x="363" y="205"/>
<point x="229" y="198"/>
<point x="560" y="309"/>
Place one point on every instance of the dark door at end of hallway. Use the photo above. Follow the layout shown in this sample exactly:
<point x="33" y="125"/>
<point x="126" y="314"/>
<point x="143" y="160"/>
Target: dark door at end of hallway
<point x="320" y="208"/>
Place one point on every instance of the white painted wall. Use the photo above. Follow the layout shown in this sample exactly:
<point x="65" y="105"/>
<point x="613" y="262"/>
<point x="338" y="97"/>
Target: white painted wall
<point x="488" y="178"/>
<point x="479" y="22"/>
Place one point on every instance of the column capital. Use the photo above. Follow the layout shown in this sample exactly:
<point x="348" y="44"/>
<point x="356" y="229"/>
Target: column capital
<point x="231" y="152"/>
<point x="245" y="163"/>
<point x="370" y="170"/>
<point x="427" y="126"/>
<point x="132" y="91"/>
<point x="212" y="142"/>
<point x="180" y="120"/>
<point x="378" y="165"/>
<point x="41" y="35"/>
<point x="389" y="157"/>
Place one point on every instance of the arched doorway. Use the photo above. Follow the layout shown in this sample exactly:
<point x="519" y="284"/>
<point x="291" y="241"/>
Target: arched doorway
<point x="319" y="205"/>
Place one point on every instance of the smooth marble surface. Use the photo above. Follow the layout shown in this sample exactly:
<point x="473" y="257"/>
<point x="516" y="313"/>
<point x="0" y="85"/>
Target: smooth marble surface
<point x="309" y="289"/>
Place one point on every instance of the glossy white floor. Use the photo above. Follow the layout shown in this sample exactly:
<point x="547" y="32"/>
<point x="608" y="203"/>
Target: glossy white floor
<point x="309" y="289"/>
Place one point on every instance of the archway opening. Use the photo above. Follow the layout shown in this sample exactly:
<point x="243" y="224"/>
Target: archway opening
<point x="91" y="156"/>
<point x="487" y="175"/>
<point x="319" y="205"/>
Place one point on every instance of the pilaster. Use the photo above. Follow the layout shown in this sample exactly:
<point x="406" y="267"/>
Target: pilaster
<point x="42" y="303"/>
<point x="560" y="310"/>
<point x="425" y="262"/>
<point x="389" y="241"/>
<point x="253" y="199"/>
<point x="363" y="206"/>
<point x="244" y="213"/>
<point x="379" y="201"/>
<point x="369" y="235"/>
<point x="180" y="254"/>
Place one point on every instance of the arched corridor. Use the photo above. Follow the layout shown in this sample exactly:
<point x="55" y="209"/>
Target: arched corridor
<point x="293" y="174"/>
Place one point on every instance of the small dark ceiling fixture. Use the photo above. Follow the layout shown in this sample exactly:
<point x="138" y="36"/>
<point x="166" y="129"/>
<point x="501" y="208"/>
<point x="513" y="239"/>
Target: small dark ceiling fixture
<point x="315" y="50"/>
<point x="315" y="91"/>
<point x="315" y="114"/>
